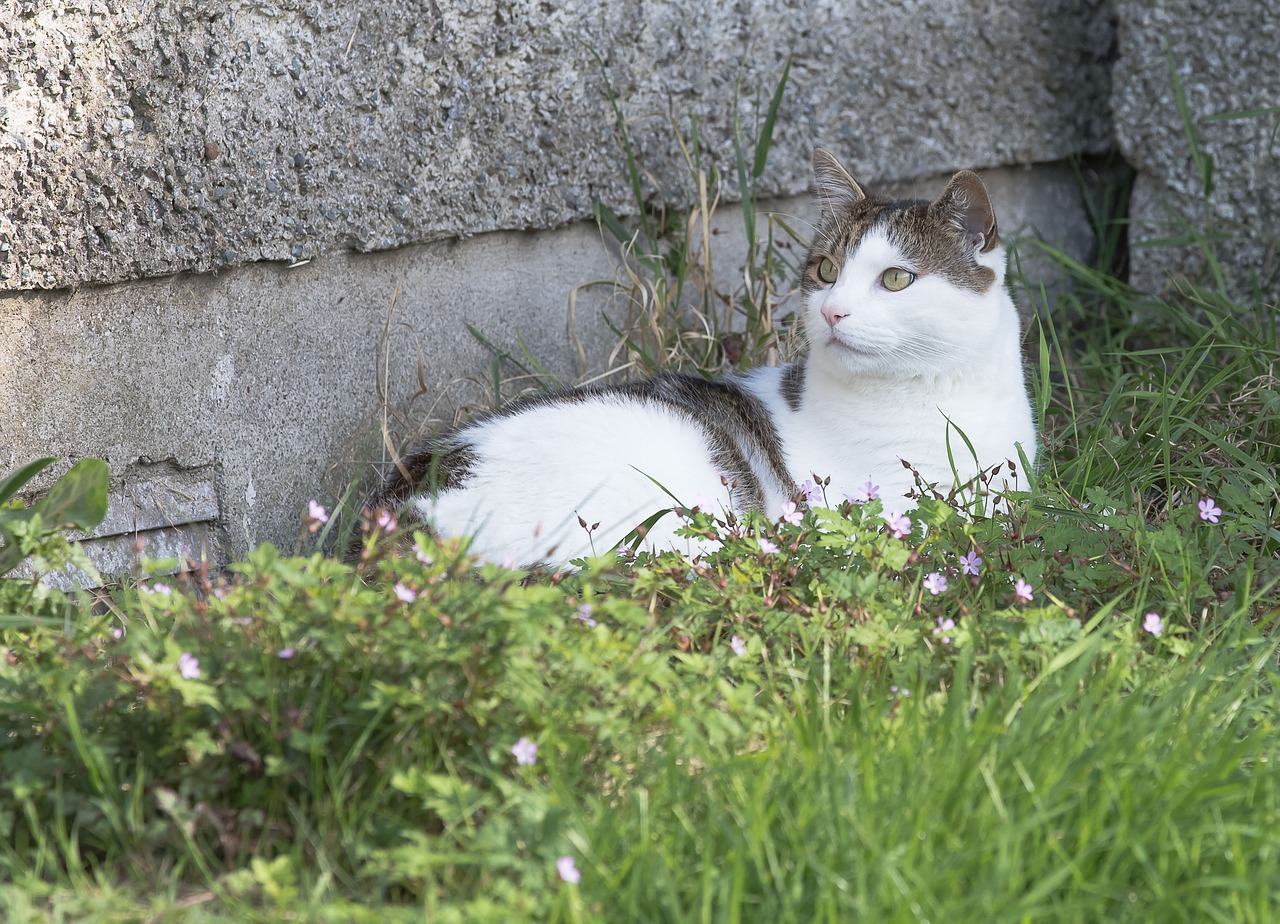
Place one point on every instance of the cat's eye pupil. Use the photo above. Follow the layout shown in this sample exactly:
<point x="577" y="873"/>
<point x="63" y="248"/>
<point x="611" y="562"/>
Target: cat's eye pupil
<point x="896" y="279"/>
<point x="827" y="271"/>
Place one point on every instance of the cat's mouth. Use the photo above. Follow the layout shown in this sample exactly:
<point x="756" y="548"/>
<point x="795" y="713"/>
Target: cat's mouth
<point x="835" y="341"/>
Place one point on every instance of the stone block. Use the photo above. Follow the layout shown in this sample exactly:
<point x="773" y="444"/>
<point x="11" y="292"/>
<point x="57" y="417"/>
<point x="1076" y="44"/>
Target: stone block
<point x="1196" y="103"/>
<point x="140" y="138"/>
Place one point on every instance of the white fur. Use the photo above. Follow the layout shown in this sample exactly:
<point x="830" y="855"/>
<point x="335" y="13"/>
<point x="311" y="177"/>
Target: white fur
<point x="538" y="471"/>
<point x="879" y="388"/>
<point x="882" y="383"/>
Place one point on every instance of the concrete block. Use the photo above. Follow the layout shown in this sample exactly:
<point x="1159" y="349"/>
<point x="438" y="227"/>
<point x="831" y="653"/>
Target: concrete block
<point x="1223" y="57"/>
<point x="140" y="138"/>
<point x="154" y="511"/>
<point x="268" y="381"/>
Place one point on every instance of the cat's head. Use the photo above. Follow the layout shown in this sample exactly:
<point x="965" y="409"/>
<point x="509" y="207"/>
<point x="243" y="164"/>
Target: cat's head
<point x="903" y="287"/>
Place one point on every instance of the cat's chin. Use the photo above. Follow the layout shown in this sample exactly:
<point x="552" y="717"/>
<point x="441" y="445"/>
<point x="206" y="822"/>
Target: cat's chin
<point x="850" y="353"/>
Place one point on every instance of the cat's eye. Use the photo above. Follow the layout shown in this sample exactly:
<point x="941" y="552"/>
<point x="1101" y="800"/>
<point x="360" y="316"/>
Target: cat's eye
<point x="828" y="271"/>
<point x="895" y="279"/>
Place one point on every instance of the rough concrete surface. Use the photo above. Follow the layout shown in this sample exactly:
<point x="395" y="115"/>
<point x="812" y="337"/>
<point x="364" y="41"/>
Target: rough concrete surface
<point x="145" y="137"/>
<point x="1224" y="57"/>
<point x="266" y="380"/>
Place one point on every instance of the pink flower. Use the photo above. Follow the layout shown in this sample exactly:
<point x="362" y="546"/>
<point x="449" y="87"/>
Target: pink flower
<point x="568" y="870"/>
<point x="525" y="752"/>
<point x="316" y="516"/>
<point x="935" y="583"/>
<point x="898" y="524"/>
<point x="424" y="558"/>
<point x="867" y="492"/>
<point x="738" y="646"/>
<point x="1022" y="591"/>
<point x="944" y="626"/>
<point x="386" y="520"/>
<point x="812" y="492"/>
<point x="405" y="594"/>
<point x="969" y="564"/>
<point x="157" y="588"/>
<point x="189" y="666"/>
<point x="584" y="615"/>
<point x="791" y="514"/>
<point x="285" y="653"/>
<point x="1209" y="510"/>
<point x="769" y="548"/>
<point x="117" y="632"/>
<point x="1153" y="623"/>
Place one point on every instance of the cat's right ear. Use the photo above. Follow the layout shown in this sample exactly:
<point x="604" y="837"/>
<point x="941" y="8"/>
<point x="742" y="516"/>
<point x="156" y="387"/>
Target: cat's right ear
<point x="833" y="184"/>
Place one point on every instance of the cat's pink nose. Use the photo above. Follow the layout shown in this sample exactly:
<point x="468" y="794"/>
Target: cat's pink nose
<point x="833" y="314"/>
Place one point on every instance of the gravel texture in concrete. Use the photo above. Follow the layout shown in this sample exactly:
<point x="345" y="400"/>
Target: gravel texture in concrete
<point x="145" y="137"/>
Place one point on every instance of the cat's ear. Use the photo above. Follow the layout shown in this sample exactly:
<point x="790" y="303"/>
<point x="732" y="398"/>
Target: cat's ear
<point x="967" y="207"/>
<point x="833" y="184"/>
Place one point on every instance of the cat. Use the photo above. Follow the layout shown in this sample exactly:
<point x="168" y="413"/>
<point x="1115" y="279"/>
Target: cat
<point x="913" y="339"/>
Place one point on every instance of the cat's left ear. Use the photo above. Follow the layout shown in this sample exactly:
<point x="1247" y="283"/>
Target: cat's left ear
<point x="834" y="185"/>
<point x="967" y="207"/>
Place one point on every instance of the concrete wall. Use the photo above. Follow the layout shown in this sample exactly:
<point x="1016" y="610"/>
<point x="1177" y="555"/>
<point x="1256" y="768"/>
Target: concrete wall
<point x="166" y="162"/>
<point x="1223" y="59"/>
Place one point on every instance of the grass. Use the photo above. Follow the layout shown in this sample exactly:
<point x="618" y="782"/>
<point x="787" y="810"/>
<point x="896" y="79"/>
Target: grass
<point x="341" y="752"/>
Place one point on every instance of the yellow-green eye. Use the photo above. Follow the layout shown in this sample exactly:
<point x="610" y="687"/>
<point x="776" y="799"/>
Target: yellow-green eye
<point x="895" y="279"/>
<point x="828" y="271"/>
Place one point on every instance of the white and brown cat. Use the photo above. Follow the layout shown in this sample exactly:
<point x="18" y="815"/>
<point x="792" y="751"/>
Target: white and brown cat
<point x="913" y="337"/>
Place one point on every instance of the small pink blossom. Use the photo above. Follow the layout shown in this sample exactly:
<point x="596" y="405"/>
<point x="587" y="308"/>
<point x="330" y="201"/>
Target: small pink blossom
<point x="944" y="626"/>
<point x="157" y="588"/>
<point x="1023" y="591"/>
<point x="864" y="493"/>
<point x="737" y="646"/>
<point x="935" y="582"/>
<point x="525" y="752"/>
<point x="1209" y="511"/>
<point x="584" y="615"/>
<point x="812" y="492"/>
<point x="704" y="503"/>
<point x="316" y="516"/>
<point x="1153" y="623"/>
<point x="386" y="520"/>
<point x="904" y="691"/>
<point x="791" y="514"/>
<point x="117" y="632"/>
<point x="189" y="666"/>
<point x="898" y="524"/>
<point x="423" y="558"/>
<point x="285" y="653"/>
<point x="970" y="564"/>
<point x="568" y="870"/>
<point x="769" y="548"/>
<point x="405" y="594"/>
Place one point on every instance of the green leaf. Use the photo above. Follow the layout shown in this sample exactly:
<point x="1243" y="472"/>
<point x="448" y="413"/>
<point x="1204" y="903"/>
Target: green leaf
<point x="765" y="141"/>
<point x="607" y="219"/>
<point x="13" y="484"/>
<point x="78" y="498"/>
